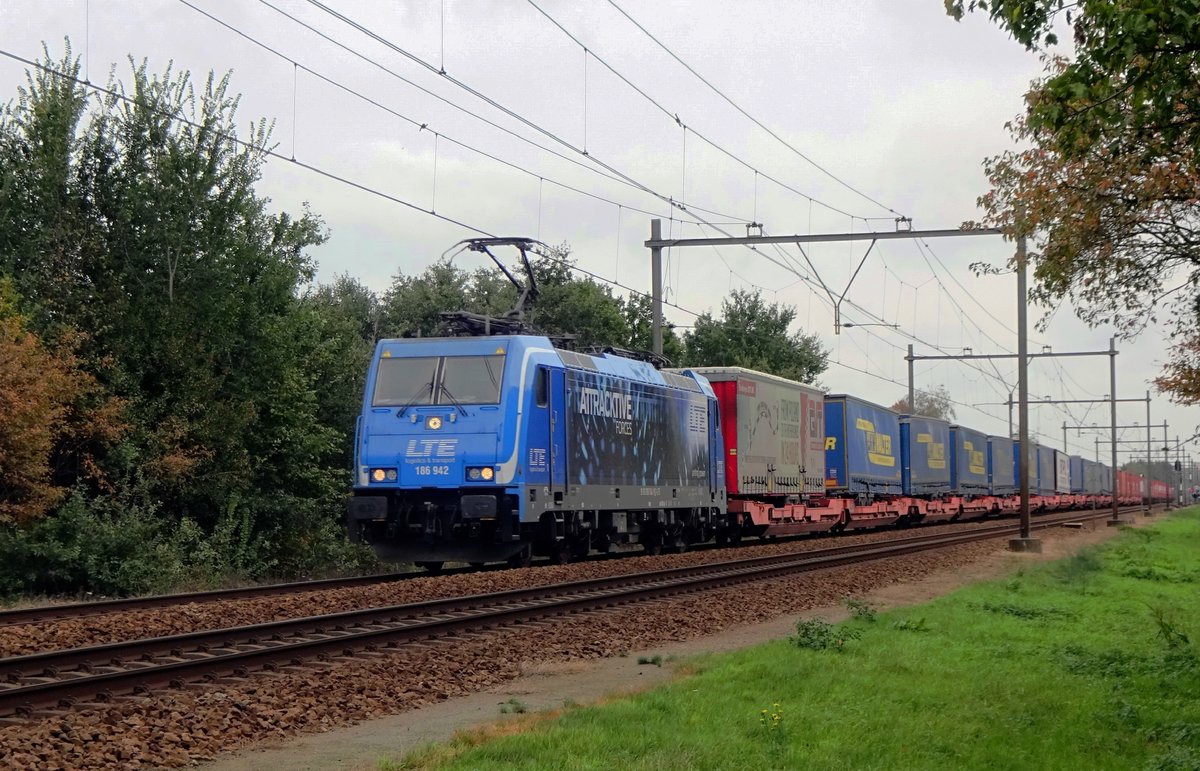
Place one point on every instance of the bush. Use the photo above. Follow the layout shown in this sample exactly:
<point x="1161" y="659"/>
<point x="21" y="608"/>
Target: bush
<point x="123" y="545"/>
<point x="101" y="546"/>
<point x="821" y="635"/>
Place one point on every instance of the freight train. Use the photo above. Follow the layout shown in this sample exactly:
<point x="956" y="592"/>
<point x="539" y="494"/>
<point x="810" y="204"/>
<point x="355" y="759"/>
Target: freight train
<point x="498" y="447"/>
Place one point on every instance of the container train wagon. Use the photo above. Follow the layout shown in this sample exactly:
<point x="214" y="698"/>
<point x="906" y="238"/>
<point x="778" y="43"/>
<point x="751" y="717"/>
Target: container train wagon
<point x="496" y="448"/>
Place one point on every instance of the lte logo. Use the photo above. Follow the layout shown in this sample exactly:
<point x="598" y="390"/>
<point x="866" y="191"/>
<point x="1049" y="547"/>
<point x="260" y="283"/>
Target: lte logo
<point x="431" y="448"/>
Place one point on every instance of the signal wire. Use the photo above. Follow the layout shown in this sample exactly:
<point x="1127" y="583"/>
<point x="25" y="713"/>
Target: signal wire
<point x="421" y="125"/>
<point x="375" y="36"/>
<point x="674" y="116"/>
<point x="267" y="152"/>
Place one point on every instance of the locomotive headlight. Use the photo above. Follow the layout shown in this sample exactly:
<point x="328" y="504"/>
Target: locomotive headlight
<point x="476" y="473"/>
<point x="487" y="473"/>
<point x="433" y="423"/>
<point x="378" y="474"/>
<point x="391" y="475"/>
<point x="473" y="474"/>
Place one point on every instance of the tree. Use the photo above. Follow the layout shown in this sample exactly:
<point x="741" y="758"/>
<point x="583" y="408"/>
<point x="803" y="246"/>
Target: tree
<point x="341" y="321"/>
<point x="580" y="307"/>
<point x="639" y="315"/>
<point x="566" y="305"/>
<point x="414" y="304"/>
<point x="933" y="404"/>
<point x="1109" y="180"/>
<point x="44" y="413"/>
<point x="137" y="220"/>
<point x="754" y="334"/>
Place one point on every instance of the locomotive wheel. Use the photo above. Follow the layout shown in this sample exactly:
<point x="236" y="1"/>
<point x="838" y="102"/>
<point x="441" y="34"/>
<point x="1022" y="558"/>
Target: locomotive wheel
<point x="432" y="567"/>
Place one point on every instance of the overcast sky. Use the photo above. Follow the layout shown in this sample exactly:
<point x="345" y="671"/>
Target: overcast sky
<point x="896" y="102"/>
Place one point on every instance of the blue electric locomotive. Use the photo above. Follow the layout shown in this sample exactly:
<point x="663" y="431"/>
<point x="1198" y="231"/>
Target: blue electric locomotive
<point x="494" y="448"/>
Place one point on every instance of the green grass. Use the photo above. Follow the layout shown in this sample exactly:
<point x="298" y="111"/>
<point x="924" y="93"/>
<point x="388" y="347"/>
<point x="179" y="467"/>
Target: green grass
<point x="1088" y="663"/>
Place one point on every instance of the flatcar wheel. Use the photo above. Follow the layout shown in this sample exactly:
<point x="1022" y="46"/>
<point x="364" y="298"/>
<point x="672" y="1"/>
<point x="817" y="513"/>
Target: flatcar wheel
<point x="432" y="567"/>
<point x="522" y="559"/>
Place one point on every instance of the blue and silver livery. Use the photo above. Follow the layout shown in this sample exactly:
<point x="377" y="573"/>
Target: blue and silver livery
<point x="481" y="449"/>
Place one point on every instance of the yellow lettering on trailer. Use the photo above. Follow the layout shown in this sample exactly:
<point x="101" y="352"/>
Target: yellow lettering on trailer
<point x="975" y="459"/>
<point x="879" y="446"/>
<point x="831" y="443"/>
<point x="937" y="455"/>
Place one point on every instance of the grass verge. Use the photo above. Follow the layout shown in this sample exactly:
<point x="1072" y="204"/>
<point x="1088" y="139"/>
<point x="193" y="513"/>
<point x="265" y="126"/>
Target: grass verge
<point x="1089" y="662"/>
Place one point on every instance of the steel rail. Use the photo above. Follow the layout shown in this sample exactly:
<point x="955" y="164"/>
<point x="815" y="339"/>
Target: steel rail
<point x="54" y="613"/>
<point x="14" y="667"/>
<point x="214" y="653"/>
<point x="98" y="607"/>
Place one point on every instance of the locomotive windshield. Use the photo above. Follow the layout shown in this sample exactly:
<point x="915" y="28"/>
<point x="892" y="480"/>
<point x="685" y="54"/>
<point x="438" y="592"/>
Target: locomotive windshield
<point x="409" y="382"/>
<point x="405" y="381"/>
<point x="471" y="380"/>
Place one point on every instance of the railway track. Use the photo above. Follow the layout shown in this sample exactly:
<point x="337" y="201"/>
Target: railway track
<point x="100" y="607"/>
<point x="55" y="678"/>
<point x="51" y="613"/>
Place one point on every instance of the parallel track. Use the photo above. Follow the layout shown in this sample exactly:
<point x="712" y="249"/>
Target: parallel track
<point x="59" y="677"/>
<point x="99" y="607"/>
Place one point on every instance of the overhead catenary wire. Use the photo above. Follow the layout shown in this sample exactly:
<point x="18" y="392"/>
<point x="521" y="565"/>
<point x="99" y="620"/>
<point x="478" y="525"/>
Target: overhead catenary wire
<point x="685" y="211"/>
<point x="674" y="116"/>
<point x="621" y="179"/>
<point x="392" y="46"/>
<point x="927" y="251"/>
<point x="364" y="30"/>
<point x="750" y="117"/>
<point x="423" y="125"/>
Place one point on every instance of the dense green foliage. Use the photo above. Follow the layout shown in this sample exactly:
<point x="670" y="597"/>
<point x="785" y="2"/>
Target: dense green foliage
<point x="1092" y="662"/>
<point x="755" y="334"/>
<point x="567" y="305"/>
<point x="1107" y="178"/>
<point x="179" y="397"/>
<point x="135" y="225"/>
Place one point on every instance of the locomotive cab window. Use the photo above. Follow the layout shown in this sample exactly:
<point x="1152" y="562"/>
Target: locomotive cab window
<point x="471" y="380"/>
<point x="404" y="381"/>
<point x="541" y="387"/>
